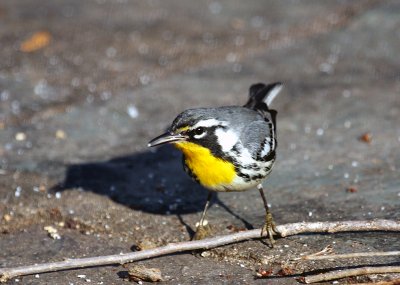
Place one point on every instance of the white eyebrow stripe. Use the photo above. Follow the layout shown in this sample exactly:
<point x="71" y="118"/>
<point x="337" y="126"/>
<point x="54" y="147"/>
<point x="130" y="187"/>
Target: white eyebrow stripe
<point x="209" y="123"/>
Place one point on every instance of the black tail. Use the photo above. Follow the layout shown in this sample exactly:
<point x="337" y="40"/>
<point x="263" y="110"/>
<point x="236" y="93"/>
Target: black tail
<point x="261" y="95"/>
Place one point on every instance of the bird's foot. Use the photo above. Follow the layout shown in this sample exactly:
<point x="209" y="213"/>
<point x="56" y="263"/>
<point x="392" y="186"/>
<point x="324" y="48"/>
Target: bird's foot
<point x="202" y="231"/>
<point x="269" y="228"/>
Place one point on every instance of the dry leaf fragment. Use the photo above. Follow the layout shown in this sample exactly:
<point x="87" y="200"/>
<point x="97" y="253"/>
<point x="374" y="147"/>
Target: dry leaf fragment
<point x="37" y="41"/>
<point x="263" y="273"/>
<point x="366" y="137"/>
<point x="146" y="244"/>
<point x="352" y="190"/>
<point x="141" y="273"/>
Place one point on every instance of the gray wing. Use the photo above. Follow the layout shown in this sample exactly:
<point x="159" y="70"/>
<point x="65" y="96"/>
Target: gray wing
<point x="254" y="137"/>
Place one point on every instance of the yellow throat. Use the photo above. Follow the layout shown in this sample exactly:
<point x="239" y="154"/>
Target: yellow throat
<point x="212" y="172"/>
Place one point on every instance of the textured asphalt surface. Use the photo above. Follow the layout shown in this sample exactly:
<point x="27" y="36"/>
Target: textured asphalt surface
<point x="84" y="85"/>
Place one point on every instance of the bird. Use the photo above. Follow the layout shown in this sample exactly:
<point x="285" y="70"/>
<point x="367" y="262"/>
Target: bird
<point x="229" y="148"/>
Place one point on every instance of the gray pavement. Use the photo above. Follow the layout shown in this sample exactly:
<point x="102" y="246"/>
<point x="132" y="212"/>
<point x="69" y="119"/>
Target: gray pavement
<point x="76" y="115"/>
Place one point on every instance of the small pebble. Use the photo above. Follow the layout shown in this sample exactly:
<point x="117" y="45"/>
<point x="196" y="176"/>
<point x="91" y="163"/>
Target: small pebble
<point x="346" y="93"/>
<point x="347" y="124"/>
<point x="20" y="136"/>
<point x="215" y="7"/>
<point x="231" y="57"/>
<point x="53" y="233"/>
<point x="82" y="276"/>
<point x="18" y="191"/>
<point x="61" y="135"/>
<point x="320" y="132"/>
<point x="111" y="52"/>
<point x="144" y="79"/>
<point x="132" y="111"/>
<point x="7" y="217"/>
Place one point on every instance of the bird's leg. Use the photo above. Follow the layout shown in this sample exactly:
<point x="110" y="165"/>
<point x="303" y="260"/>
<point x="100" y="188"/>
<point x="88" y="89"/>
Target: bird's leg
<point x="269" y="227"/>
<point x="203" y="230"/>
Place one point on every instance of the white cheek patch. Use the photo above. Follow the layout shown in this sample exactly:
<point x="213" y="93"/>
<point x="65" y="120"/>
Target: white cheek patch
<point x="226" y="139"/>
<point x="266" y="148"/>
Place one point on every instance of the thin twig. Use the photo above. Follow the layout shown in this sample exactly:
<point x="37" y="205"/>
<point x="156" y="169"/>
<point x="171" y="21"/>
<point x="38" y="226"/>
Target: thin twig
<point x="337" y="274"/>
<point x="285" y="230"/>
<point x="391" y="282"/>
<point x="326" y="250"/>
<point x="349" y="255"/>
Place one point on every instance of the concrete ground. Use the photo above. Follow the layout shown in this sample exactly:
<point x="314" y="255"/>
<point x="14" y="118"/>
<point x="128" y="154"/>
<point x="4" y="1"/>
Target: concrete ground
<point x="84" y="85"/>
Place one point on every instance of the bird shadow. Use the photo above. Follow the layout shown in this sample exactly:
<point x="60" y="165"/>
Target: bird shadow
<point x="151" y="181"/>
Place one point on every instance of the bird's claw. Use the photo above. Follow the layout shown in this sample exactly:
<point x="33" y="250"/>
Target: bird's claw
<point x="202" y="231"/>
<point x="269" y="228"/>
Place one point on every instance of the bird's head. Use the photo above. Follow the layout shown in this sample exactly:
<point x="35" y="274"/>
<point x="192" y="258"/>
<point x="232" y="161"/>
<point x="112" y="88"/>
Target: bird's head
<point x="204" y="127"/>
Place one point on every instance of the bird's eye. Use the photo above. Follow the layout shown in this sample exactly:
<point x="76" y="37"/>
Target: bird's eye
<point x="199" y="131"/>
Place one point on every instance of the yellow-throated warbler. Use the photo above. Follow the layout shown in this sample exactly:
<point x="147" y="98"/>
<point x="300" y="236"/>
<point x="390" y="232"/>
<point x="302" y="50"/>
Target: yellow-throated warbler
<point x="229" y="148"/>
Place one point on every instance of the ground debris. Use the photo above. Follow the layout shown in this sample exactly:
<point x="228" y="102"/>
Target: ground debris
<point x="366" y="137"/>
<point x="37" y="41"/>
<point x="141" y="273"/>
<point x="263" y="273"/>
<point x="351" y="189"/>
<point x="7" y="217"/>
<point x="285" y="271"/>
<point x="235" y="229"/>
<point x="146" y="244"/>
<point x="52" y="231"/>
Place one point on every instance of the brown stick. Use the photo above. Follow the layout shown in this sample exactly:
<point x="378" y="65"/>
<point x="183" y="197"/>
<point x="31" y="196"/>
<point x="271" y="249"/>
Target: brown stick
<point x="337" y="274"/>
<point x="349" y="255"/>
<point x="391" y="282"/>
<point x="285" y="230"/>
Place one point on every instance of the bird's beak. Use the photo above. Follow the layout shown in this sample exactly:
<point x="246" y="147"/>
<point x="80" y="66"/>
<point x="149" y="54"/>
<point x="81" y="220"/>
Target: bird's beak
<point x="166" y="138"/>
